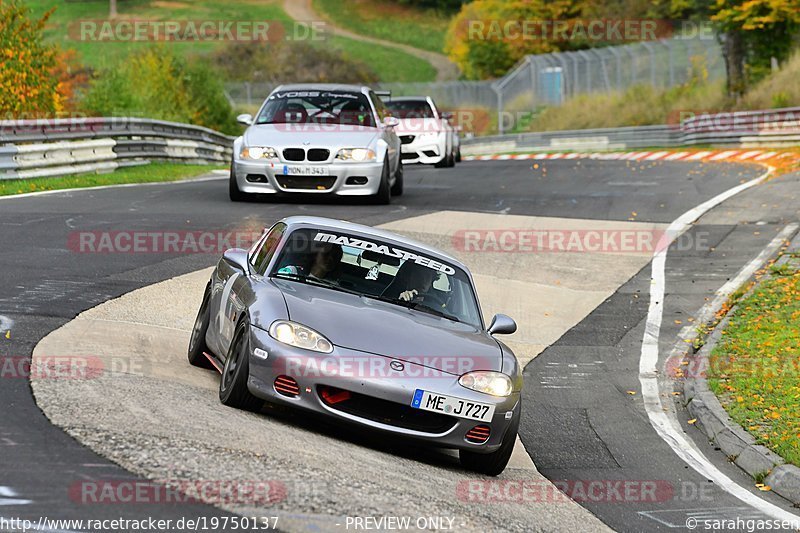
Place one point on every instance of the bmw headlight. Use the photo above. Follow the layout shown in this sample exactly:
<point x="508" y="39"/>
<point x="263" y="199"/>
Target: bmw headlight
<point x="494" y="383"/>
<point x="299" y="336"/>
<point x="258" y="152"/>
<point x="355" y="154"/>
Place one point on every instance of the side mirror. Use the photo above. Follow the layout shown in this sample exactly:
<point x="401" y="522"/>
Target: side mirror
<point x="237" y="258"/>
<point x="246" y="119"/>
<point x="391" y="122"/>
<point x="447" y="115"/>
<point x="502" y="325"/>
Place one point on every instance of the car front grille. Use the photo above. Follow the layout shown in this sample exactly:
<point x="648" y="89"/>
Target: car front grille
<point x="294" y="154"/>
<point x="318" y="154"/>
<point x="312" y="183"/>
<point x="406" y="139"/>
<point x="384" y="411"/>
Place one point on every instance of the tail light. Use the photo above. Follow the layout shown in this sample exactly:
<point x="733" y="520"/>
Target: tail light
<point x="287" y="386"/>
<point x="478" y="434"/>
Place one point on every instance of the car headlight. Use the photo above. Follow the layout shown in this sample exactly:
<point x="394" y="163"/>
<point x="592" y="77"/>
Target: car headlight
<point x="494" y="383"/>
<point x="299" y="336"/>
<point x="356" y="154"/>
<point x="258" y="152"/>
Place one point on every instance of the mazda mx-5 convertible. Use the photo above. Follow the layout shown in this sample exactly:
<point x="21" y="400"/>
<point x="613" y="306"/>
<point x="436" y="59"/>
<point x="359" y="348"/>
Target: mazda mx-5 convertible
<point x="364" y="327"/>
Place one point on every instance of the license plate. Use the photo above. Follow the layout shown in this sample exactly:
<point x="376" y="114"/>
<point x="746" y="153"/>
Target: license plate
<point x="449" y="405"/>
<point x="305" y="170"/>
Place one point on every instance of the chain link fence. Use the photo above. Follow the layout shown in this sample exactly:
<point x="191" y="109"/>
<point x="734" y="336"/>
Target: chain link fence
<point x="551" y="79"/>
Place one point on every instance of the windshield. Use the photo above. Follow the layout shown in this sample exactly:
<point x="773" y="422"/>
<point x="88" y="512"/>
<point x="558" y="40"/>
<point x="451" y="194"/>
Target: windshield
<point x="410" y="109"/>
<point x="371" y="268"/>
<point x="317" y="107"/>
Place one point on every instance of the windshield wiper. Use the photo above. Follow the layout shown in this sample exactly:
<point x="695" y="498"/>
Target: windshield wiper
<point x="417" y="306"/>
<point x="420" y="306"/>
<point x="317" y="282"/>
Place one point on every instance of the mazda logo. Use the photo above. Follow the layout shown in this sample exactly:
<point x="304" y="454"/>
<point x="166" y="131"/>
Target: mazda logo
<point x="397" y="365"/>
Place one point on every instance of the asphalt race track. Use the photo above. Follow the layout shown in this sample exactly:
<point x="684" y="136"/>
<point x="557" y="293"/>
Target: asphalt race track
<point x="580" y="421"/>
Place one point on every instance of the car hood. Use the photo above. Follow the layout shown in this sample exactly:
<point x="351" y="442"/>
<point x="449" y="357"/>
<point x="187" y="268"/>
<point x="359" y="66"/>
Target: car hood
<point x="291" y="135"/>
<point x="368" y="325"/>
<point x="417" y="126"/>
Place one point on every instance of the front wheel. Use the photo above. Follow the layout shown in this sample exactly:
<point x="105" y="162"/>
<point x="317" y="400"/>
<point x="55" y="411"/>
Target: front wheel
<point x="397" y="188"/>
<point x="235" y="194"/>
<point x="384" y="194"/>
<point x="233" y="390"/>
<point x="197" y="342"/>
<point x="492" y="464"/>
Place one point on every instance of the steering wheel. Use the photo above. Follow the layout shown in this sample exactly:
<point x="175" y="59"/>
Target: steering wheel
<point x="431" y="296"/>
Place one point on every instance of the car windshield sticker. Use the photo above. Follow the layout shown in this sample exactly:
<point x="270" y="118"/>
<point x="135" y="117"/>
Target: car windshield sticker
<point x="314" y="94"/>
<point x="373" y="273"/>
<point x="362" y="244"/>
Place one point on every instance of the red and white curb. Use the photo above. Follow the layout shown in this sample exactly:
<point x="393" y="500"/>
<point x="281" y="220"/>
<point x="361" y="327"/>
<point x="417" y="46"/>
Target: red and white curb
<point x="710" y="155"/>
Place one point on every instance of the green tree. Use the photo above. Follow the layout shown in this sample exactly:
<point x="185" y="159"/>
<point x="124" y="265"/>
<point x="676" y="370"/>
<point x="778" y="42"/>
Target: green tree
<point x="156" y="83"/>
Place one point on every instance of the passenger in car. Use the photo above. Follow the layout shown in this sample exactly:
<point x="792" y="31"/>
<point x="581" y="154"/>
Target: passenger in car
<point x="323" y="264"/>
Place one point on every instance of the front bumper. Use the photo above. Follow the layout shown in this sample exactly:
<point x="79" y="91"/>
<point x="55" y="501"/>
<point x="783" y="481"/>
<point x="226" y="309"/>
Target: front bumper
<point x="421" y="150"/>
<point x="388" y="392"/>
<point x="344" y="179"/>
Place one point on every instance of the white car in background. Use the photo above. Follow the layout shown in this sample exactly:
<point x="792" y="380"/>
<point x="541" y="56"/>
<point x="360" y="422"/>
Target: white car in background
<point x="426" y="135"/>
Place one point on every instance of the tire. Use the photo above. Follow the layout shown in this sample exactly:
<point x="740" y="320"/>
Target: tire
<point x="492" y="464"/>
<point x="442" y="163"/>
<point x="197" y="342"/>
<point x="451" y="160"/>
<point x="384" y="194"/>
<point x="458" y="154"/>
<point x="234" y="192"/>
<point x="397" y="188"/>
<point x="233" y="390"/>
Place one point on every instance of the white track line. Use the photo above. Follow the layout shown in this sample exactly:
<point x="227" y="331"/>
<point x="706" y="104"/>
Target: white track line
<point x="668" y="427"/>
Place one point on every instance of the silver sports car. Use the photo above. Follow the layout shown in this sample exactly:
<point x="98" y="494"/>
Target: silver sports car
<point x="318" y="139"/>
<point x="365" y="327"/>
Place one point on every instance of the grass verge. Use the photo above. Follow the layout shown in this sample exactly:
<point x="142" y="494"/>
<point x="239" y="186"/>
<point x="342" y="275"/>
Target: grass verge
<point x="755" y="368"/>
<point x="154" y="172"/>
<point x="63" y="27"/>
<point x="388" y="20"/>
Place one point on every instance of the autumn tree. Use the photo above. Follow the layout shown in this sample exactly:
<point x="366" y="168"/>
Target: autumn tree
<point x="28" y="86"/>
<point x="753" y="33"/>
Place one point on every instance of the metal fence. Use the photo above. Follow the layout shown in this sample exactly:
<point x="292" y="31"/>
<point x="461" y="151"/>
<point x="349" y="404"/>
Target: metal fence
<point x="551" y="79"/>
<point x="740" y="129"/>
